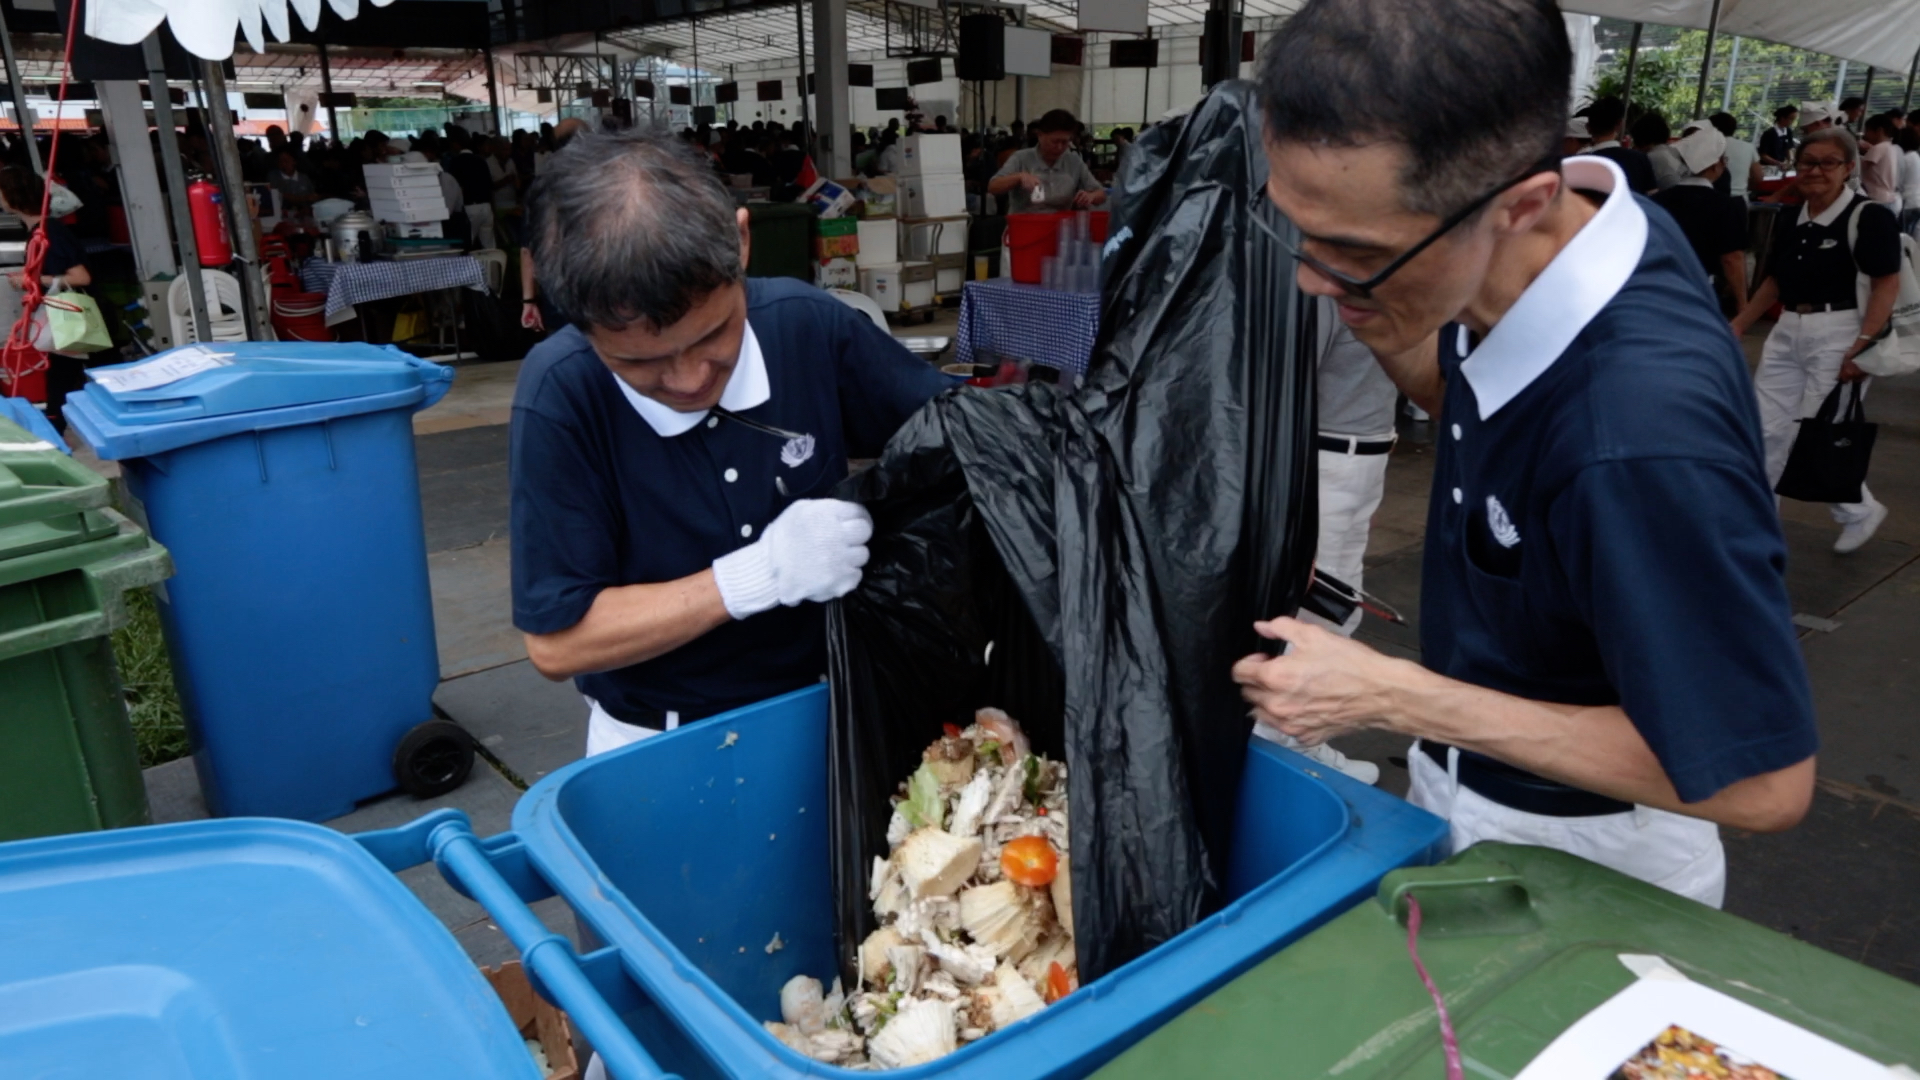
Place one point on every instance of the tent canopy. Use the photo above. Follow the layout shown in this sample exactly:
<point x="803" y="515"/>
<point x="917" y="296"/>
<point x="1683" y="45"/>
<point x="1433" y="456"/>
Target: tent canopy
<point x="1882" y="33"/>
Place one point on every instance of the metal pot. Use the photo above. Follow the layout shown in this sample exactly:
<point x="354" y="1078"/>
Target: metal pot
<point x="356" y="236"/>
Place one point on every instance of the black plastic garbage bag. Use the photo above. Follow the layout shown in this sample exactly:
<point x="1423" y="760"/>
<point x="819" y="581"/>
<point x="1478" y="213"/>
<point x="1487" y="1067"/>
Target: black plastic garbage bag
<point x="1092" y="560"/>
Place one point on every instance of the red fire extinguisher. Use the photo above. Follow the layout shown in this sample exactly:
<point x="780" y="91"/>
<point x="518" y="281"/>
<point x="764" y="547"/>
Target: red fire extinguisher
<point x="204" y="204"/>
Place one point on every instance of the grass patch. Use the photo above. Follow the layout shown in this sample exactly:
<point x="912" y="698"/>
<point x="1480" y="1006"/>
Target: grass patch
<point x="146" y="676"/>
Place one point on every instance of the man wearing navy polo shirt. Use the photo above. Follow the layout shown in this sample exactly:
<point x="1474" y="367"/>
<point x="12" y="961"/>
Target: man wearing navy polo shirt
<point x="673" y="449"/>
<point x="1609" y="663"/>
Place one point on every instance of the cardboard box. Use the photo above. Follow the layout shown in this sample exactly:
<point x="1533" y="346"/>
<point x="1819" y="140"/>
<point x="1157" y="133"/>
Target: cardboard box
<point x="830" y="199"/>
<point x="932" y="197"/>
<point x="879" y="197"/>
<point x="836" y="274"/>
<point x="930" y="155"/>
<point x="536" y="1019"/>
<point x="836" y="238"/>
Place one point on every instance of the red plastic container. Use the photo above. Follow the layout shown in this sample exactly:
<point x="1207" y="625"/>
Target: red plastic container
<point x="1033" y="237"/>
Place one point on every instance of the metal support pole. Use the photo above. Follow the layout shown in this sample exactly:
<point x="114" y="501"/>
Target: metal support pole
<point x="1906" y="103"/>
<point x="1020" y="81"/>
<point x="326" y="90"/>
<point x="1733" y="64"/>
<point x="146" y="205"/>
<point x="1840" y="86"/>
<point x="800" y="21"/>
<point x="1706" y="62"/>
<point x="833" y="115"/>
<point x="1633" y="60"/>
<point x="1866" y="95"/>
<point x="493" y="93"/>
<point x="226" y="151"/>
<point x="20" y="111"/>
<point x="176" y="186"/>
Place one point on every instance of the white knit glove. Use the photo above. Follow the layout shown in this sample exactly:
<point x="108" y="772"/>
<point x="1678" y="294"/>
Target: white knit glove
<point x="813" y="551"/>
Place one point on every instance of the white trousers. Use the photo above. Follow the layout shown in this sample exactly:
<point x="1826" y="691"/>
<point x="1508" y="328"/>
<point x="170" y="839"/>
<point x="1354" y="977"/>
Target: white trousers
<point x="1351" y="487"/>
<point x="1679" y="854"/>
<point x="604" y="733"/>
<point x="1798" y="369"/>
<point x="480" y="217"/>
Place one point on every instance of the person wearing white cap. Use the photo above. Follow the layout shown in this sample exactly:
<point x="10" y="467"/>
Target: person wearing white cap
<point x="1818" y="252"/>
<point x="1715" y="224"/>
<point x="1577" y="138"/>
<point x="1816" y="116"/>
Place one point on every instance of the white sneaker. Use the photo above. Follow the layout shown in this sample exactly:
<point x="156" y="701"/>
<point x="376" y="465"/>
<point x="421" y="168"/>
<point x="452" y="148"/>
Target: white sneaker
<point x="1856" y="534"/>
<point x="1364" y="771"/>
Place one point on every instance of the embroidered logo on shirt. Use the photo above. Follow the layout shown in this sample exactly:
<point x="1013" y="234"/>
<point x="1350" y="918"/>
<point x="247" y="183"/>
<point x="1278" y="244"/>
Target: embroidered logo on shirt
<point x="1500" y="524"/>
<point x="1829" y="242"/>
<point x="796" y="451"/>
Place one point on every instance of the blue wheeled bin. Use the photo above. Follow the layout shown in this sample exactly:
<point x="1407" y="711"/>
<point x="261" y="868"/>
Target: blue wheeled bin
<point x="687" y="853"/>
<point x="234" y="950"/>
<point x="300" y="620"/>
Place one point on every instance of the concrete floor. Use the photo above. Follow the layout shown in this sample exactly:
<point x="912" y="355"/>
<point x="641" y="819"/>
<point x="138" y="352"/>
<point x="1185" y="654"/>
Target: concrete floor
<point x="1844" y="880"/>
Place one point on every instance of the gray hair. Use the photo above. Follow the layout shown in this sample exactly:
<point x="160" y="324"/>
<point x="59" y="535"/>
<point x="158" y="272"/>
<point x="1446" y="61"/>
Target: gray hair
<point x="1836" y="135"/>
<point x="632" y="226"/>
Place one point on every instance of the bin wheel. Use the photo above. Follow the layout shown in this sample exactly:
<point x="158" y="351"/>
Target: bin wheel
<point x="433" y="759"/>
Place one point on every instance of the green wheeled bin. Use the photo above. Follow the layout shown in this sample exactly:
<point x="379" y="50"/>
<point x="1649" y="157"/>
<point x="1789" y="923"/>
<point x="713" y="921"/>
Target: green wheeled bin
<point x="68" y="761"/>
<point x="1524" y="944"/>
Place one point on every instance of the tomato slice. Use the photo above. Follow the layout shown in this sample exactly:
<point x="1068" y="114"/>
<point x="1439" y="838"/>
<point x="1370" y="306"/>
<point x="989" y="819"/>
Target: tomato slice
<point x="1029" y="861"/>
<point x="1058" y="985"/>
<point x="952" y="730"/>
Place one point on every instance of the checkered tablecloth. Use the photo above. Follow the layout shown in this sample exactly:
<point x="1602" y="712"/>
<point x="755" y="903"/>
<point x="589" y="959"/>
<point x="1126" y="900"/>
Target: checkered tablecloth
<point x="1026" y="322"/>
<point x="347" y="284"/>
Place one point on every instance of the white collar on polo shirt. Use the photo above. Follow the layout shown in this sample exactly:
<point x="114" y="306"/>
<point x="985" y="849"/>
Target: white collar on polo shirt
<point x="1832" y="212"/>
<point x="747" y="388"/>
<point x="1607" y="145"/>
<point x="1581" y="280"/>
<point x="1694" y="181"/>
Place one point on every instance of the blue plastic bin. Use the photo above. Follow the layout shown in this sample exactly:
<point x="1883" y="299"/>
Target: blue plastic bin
<point x="236" y="950"/>
<point x="686" y="855"/>
<point x="300" y="618"/>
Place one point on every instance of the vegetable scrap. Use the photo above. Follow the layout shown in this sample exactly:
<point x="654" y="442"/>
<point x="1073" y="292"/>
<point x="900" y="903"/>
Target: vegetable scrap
<point x="975" y="908"/>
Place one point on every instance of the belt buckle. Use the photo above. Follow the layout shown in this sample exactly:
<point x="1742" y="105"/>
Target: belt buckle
<point x="1803" y="309"/>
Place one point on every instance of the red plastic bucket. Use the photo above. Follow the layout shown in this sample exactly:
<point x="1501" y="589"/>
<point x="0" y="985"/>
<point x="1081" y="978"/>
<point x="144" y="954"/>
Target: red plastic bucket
<point x="1033" y="237"/>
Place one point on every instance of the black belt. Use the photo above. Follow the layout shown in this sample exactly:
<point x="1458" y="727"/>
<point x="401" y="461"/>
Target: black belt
<point x="1341" y="444"/>
<point x="656" y="719"/>
<point x="1816" y="309"/>
<point x="1519" y="790"/>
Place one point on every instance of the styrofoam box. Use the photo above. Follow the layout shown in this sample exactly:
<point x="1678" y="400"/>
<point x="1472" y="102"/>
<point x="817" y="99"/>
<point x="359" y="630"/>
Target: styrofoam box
<point x="930" y="155"/>
<point x="949" y="280"/>
<point x="932" y="196"/>
<point x="882" y="285"/>
<point x="917" y="280"/>
<point x="403" y="183"/>
<point x="879" y="243"/>
<point x="428" y="230"/>
<point x="408" y="212"/>
<point x="409" y="168"/>
<point x="925" y="238"/>
<point x="408" y="200"/>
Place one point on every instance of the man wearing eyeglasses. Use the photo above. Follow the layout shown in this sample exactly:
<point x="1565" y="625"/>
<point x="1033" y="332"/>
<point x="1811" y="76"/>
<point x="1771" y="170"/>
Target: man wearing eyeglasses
<point x="675" y="449"/>
<point x="1608" y="665"/>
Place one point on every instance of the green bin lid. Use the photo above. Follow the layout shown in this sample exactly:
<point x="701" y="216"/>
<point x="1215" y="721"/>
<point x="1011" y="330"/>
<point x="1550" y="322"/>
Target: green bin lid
<point x="1522" y="942"/>
<point x="47" y="499"/>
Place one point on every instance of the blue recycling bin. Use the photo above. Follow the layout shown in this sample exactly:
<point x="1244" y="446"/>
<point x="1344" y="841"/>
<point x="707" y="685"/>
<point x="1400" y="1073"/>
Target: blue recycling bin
<point x="234" y="949"/>
<point x="686" y="856"/>
<point x="300" y="620"/>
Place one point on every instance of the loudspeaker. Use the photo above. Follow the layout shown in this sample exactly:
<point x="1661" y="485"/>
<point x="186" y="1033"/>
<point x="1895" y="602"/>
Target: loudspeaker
<point x="770" y="90"/>
<point x="1134" y="53"/>
<point x="726" y="93"/>
<point x="892" y="99"/>
<point x="983" y="49"/>
<point x="859" y="74"/>
<point x="922" y="72"/>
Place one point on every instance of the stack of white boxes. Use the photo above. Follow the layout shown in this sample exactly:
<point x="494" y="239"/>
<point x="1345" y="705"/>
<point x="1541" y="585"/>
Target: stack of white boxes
<point x="933" y="208"/>
<point x="408" y="197"/>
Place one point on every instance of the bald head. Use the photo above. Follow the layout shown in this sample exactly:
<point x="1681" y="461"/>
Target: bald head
<point x="565" y="130"/>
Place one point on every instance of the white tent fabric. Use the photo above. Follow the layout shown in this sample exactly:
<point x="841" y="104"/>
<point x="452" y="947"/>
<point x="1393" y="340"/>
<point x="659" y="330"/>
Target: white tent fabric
<point x="206" y="27"/>
<point x="1881" y="33"/>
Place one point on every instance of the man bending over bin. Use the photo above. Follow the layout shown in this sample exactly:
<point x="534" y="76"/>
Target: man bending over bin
<point x="673" y="449"/>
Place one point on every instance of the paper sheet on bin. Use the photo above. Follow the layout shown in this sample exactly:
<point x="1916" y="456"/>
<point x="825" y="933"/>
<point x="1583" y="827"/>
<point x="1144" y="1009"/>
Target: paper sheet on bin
<point x="168" y="367"/>
<point x="1683" y="1018"/>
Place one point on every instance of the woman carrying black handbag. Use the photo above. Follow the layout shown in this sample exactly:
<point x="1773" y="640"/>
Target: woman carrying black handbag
<point x="1812" y="274"/>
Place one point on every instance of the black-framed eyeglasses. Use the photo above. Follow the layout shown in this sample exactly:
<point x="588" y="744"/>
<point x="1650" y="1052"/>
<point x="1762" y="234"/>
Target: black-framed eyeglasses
<point x="1363" y="289"/>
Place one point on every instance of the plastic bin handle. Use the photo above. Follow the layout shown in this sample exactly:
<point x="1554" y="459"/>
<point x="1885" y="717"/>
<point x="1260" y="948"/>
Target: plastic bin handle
<point x="54" y="633"/>
<point x="446" y="838"/>
<point x="1476" y="898"/>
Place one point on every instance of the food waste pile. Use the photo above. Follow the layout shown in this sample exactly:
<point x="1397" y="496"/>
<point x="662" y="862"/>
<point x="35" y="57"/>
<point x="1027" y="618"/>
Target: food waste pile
<point x="974" y="906"/>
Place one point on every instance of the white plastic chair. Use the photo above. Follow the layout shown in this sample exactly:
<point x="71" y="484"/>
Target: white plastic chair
<point x="863" y="304"/>
<point x="226" y="318"/>
<point x="494" y="262"/>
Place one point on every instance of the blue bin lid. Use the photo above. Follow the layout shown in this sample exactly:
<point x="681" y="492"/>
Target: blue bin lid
<point x="197" y="393"/>
<point x="235" y="948"/>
